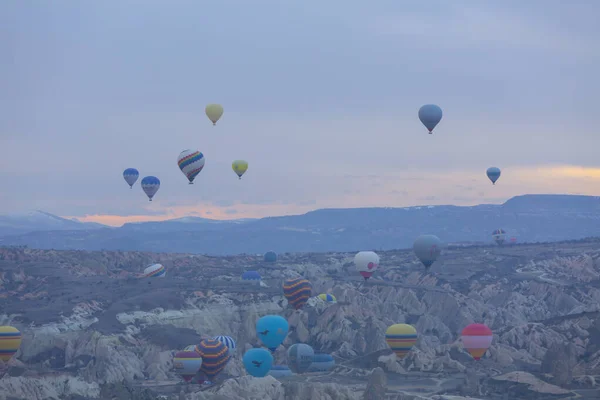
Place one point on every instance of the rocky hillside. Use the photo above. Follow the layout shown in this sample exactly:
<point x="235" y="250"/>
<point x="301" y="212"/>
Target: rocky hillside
<point x="529" y="218"/>
<point x="92" y="328"/>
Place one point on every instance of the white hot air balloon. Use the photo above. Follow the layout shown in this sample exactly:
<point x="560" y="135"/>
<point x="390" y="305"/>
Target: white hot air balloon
<point x="366" y="263"/>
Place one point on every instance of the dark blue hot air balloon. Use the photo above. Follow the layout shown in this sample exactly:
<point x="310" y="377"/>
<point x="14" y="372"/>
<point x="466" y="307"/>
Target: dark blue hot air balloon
<point x="257" y="362"/>
<point x="131" y="175"/>
<point x="150" y="185"/>
<point x="430" y="115"/>
<point x="493" y="173"/>
<point x="270" y="257"/>
<point x="251" y="276"/>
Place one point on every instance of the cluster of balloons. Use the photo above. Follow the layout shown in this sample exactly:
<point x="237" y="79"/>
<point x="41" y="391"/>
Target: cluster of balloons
<point x="190" y="162"/>
<point x="210" y="357"/>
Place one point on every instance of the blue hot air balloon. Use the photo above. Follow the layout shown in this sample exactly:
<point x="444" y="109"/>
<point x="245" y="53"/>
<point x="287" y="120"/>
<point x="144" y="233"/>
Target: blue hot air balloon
<point x="131" y="175"/>
<point x="493" y="173"/>
<point x="272" y="330"/>
<point x="251" y="276"/>
<point x="150" y="185"/>
<point x="280" y="371"/>
<point x="430" y="115"/>
<point x="257" y="362"/>
<point x="270" y="257"/>
<point x="227" y="341"/>
<point x="321" y="363"/>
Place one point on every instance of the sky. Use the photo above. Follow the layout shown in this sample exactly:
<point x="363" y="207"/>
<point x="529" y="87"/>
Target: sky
<point x="321" y="98"/>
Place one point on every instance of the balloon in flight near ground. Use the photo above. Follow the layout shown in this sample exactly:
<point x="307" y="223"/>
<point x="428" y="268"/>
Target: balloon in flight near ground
<point x="280" y="371"/>
<point x="477" y="338"/>
<point x="272" y="330"/>
<point x="326" y="297"/>
<point x="270" y="257"/>
<point x="493" y="173"/>
<point x="499" y="235"/>
<point x="155" y="271"/>
<point x="186" y="363"/>
<point x="191" y="163"/>
<point x="366" y="263"/>
<point x="300" y="357"/>
<point x="10" y="341"/>
<point x="430" y="115"/>
<point x="214" y="112"/>
<point x="227" y="341"/>
<point x="215" y="356"/>
<point x="401" y="338"/>
<point x="239" y="167"/>
<point x="427" y="248"/>
<point x="251" y="276"/>
<point x="321" y="363"/>
<point x="297" y="291"/>
<point x="131" y="175"/>
<point x="257" y="362"/>
<point x="150" y="185"/>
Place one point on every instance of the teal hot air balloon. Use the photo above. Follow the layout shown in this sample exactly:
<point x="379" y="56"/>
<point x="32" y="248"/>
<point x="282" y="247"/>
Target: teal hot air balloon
<point x="300" y="357"/>
<point x="270" y="257"/>
<point x="272" y="330"/>
<point x="257" y="362"/>
<point x="493" y="173"/>
<point x="430" y="115"/>
<point x="427" y="248"/>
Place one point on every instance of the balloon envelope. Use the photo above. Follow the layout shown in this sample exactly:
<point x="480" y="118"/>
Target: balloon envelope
<point x="214" y="357"/>
<point x="150" y="185"/>
<point x="366" y="263"/>
<point x="499" y="235"/>
<point x="10" y="341"/>
<point x="187" y="364"/>
<point x="297" y="291"/>
<point x="280" y="371"/>
<point x="477" y="338"/>
<point x="321" y="363"/>
<point x="214" y="112"/>
<point x="155" y="271"/>
<point x="493" y="173"/>
<point x="300" y="357"/>
<point x="191" y="163"/>
<point x="131" y="175"/>
<point x="430" y="115"/>
<point x="329" y="298"/>
<point x="427" y="248"/>
<point x="257" y="362"/>
<point x="272" y="330"/>
<point x="227" y="341"/>
<point x="239" y="167"/>
<point x="401" y="338"/>
<point x="251" y="276"/>
<point x="270" y="256"/>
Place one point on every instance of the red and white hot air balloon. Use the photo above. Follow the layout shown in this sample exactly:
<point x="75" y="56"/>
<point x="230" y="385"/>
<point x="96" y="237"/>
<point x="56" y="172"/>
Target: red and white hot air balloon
<point x="477" y="338"/>
<point x="366" y="263"/>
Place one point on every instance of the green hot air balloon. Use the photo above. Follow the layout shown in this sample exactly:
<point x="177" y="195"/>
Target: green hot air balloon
<point x="427" y="248"/>
<point x="214" y="112"/>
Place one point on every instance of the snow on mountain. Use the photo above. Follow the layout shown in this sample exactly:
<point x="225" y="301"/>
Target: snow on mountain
<point x="41" y="221"/>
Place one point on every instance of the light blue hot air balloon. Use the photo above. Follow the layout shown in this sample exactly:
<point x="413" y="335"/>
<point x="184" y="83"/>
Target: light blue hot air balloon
<point x="131" y="176"/>
<point x="493" y="173"/>
<point x="150" y="185"/>
<point x="430" y="115"/>
<point x="257" y="362"/>
<point x="272" y="330"/>
<point x="280" y="371"/>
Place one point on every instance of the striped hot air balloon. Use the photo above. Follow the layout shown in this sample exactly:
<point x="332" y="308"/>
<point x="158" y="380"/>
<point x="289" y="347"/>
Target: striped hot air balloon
<point x="215" y="356"/>
<point x="186" y="363"/>
<point x="10" y="341"/>
<point x="227" y="341"/>
<point x="477" y="338"/>
<point x="297" y="291"/>
<point x="401" y="338"/>
<point x="155" y="271"/>
<point x="190" y="162"/>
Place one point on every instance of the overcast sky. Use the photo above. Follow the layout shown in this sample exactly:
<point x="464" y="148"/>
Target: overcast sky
<point x="321" y="97"/>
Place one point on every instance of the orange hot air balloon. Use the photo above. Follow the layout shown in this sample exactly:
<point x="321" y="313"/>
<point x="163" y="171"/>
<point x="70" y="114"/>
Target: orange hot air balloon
<point x="477" y="338"/>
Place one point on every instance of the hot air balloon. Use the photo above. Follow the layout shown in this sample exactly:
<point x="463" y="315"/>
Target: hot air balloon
<point x="10" y="341"/>
<point x="150" y="185"/>
<point x="257" y="362"/>
<point x="131" y="175"/>
<point x="427" y="248"/>
<point x="329" y="298"/>
<point x="270" y="257"/>
<point x="280" y="371"/>
<point x="300" y="357"/>
<point x="227" y="341"/>
<point x="401" y="338"/>
<point x="272" y="330"/>
<point x="499" y="235"/>
<point x="430" y="115"/>
<point x="321" y="363"/>
<point x="297" y="291"/>
<point x="215" y="356"/>
<point x="493" y="173"/>
<point x="214" y="112"/>
<point x="477" y="338"/>
<point x="513" y="240"/>
<point x="251" y="276"/>
<point x="155" y="271"/>
<point x="191" y="163"/>
<point x="366" y="263"/>
<point x="239" y="167"/>
<point x="187" y="363"/>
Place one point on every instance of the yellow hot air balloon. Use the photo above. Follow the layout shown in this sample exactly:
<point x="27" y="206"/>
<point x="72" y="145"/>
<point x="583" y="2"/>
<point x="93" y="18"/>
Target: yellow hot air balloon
<point x="214" y="112"/>
<point x="10" y="341"/>
<point x="401" y="338"/>
<point x="239" y="167"/>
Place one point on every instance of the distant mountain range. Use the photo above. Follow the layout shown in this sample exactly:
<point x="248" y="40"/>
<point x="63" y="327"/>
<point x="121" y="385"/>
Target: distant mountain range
<point x="529" y="218"/>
